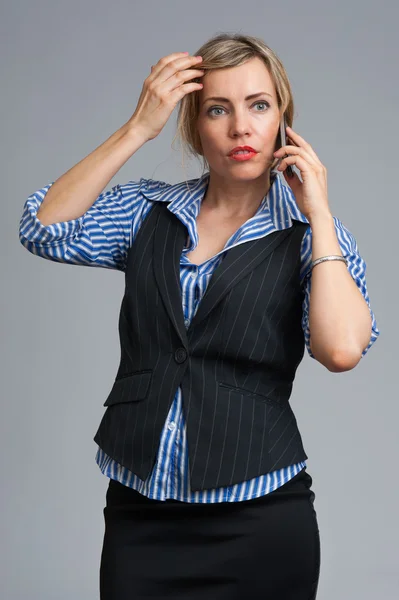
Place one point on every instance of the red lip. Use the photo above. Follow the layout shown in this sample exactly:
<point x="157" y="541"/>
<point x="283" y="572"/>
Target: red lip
<point x="249" y="148"/>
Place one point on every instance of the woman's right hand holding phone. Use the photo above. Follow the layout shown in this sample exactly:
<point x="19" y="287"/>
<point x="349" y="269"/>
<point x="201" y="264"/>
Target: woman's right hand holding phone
<point x="162" y="90"/>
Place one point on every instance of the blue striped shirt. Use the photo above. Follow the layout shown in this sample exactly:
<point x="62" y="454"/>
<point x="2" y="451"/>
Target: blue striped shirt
<point x="102" y="237"/>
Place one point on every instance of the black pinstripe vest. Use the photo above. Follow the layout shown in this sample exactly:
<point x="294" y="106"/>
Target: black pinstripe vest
<point x="235" y="363"/>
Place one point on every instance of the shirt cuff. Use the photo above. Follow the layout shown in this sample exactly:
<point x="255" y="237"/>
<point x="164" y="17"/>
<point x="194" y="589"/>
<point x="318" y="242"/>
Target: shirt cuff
<point x="33" y="230"/>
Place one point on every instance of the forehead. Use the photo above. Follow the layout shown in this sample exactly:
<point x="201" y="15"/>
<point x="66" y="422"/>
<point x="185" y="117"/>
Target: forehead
<point x="252" y="76"/>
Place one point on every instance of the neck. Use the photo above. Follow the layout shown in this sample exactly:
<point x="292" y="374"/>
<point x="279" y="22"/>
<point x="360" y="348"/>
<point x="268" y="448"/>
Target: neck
<point x="234" y="197"/>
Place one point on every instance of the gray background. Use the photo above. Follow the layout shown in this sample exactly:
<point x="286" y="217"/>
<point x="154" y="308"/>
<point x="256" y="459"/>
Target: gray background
<point x="71" y="75"/>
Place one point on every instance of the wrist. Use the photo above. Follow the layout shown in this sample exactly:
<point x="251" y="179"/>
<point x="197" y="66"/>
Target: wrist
<point x="133" y="129"/>
<point x="320" y="217"/>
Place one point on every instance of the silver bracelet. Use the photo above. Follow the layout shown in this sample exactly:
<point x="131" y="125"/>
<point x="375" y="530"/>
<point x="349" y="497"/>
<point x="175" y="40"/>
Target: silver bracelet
<point x="324" y="258"/>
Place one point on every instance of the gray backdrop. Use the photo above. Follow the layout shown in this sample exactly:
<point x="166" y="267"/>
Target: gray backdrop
<point x="71" y="75"/>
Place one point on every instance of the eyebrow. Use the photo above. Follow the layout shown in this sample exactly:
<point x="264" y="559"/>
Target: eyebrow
<point x="220" y="99"/>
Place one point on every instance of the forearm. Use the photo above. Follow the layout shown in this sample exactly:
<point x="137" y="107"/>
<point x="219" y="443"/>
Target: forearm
<point x="76" y="190"/>
<point x="339" y="318"/>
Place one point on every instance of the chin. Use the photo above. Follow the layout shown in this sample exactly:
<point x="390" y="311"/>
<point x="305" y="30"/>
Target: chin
<point x="240" y="171"/>
<point x="245" y="173"/>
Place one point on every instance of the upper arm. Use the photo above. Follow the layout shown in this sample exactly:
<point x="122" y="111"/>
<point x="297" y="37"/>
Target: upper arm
<point x="356" y="267"/>
<point x="101" y="237"/>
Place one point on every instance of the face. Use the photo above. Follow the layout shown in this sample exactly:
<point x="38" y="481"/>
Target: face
<point x="237" y="120"/>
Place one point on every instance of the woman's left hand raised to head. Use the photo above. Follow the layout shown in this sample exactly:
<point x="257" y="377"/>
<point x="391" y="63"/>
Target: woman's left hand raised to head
<point x="310" y="193"/>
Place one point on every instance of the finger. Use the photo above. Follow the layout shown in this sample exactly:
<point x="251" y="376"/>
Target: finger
<point x="164" y="60"/>
<point x="290" y="141"/>
<point x="296" y="160"/>
<point x="300" y="141"/>
<point x="303" y="166"/>
<point x="290" y="149"/>
<point x="165" y="70"/>
<point x="181" y="70"/>
<point x="295" y="150"/>
<point x="179" y="78"/>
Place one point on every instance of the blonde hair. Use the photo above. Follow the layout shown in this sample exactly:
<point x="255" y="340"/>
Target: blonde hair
<point x="230" y="50"/>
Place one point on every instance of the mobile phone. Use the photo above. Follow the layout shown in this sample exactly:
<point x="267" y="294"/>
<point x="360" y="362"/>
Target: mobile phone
<point x="283" y="140"/>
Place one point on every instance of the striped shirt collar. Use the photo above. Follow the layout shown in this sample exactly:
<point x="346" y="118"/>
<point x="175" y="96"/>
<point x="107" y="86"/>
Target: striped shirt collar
<point x="277" y="209"/>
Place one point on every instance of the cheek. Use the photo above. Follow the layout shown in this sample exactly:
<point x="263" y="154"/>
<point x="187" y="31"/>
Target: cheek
<point x="268" y="132"/>
<point x="209" y="136"/>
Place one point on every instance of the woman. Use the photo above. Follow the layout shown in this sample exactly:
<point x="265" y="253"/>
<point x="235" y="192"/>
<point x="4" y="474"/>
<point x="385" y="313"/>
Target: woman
<point x="228" y="278"/>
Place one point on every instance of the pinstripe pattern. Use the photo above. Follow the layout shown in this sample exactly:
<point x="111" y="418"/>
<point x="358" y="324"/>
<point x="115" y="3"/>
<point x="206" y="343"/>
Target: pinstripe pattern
<point x="270" y="381"/>
<point x="103" y="236"/>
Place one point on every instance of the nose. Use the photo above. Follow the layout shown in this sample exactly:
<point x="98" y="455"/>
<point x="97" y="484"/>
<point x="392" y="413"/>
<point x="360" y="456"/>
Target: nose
<point x="239" y="125"/>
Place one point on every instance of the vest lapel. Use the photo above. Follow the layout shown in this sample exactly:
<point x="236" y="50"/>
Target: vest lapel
<point x="237" y="263"/>
<point x="170" y="235"/>
<point x="169" y="238"/>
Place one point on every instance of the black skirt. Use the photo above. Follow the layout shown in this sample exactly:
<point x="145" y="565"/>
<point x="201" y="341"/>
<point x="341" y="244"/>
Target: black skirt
<point x="267" y="547"/>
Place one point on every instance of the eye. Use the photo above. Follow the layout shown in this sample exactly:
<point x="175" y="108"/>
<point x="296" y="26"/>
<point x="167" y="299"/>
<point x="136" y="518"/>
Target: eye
<point x="213" y="108"/>
<point x="209" y="111"/>
<point x="263" y="102"/>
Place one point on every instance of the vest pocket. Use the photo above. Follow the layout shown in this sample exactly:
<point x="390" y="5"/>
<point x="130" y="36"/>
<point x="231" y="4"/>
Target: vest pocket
<point x="130" y="388"/>
<point x="271" y="393"/>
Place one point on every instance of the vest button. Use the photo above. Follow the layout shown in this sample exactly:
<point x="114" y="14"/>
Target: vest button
<point x="180" y="355"/>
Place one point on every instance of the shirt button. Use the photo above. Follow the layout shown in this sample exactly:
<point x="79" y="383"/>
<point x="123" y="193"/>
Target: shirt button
<point x="187" y="322"/>
<point x="172" y="426"/>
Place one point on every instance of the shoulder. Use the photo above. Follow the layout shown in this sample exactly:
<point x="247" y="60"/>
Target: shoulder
<point x="155" y="189"/>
